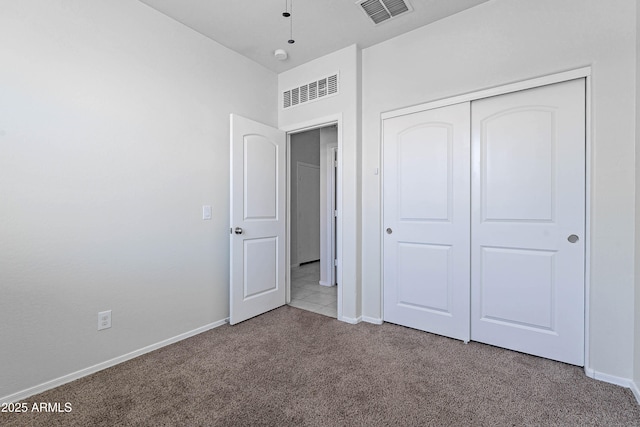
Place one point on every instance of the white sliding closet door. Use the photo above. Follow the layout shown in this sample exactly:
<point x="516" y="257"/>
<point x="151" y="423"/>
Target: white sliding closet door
<point x="426" y="220"/>
<point x="484" y="230"/>
<point x="528" y="221"/>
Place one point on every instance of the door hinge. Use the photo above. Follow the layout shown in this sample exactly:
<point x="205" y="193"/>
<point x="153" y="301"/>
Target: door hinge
<point x="231" y="231"/>
<point x="335" y="262"/>
<point x="335" y="213"/>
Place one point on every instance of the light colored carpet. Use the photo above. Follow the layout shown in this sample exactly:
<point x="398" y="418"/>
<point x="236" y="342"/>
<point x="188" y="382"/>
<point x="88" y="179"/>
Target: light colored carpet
<point x="292" y="367"/>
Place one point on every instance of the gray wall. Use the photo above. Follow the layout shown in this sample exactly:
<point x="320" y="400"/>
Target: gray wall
<point x="114" y="131"/>
<point x="305" y="147"/>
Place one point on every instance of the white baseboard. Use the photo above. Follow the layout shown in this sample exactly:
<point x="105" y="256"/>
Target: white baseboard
<point x="612" y="379"/>
<point x="374" y="320"/>
<point x="636" y="390"/>
<point x="107" y="364"/>
<point x="351" y="320"/>
<point x="324" y="283"/>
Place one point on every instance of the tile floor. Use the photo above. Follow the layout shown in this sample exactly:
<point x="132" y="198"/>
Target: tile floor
<point x="308" y="295"/>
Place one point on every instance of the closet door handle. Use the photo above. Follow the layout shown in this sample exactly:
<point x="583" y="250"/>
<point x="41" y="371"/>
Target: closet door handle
<point x="389" y="231"/>
<point x="238" y="230"/>
<point x="572" y="238"/>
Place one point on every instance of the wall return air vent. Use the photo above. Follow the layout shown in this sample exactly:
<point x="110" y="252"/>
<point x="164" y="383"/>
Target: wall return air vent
<point x="382" y="10"/>
<point x="311" y="91"/>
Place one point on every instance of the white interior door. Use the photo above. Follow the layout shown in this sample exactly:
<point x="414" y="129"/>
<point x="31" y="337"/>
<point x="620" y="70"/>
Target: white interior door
<point x="528" y="221"/>
<point x="308" y="210"/>
<point x="258" y="204"/>
<point x="426" y="220"/>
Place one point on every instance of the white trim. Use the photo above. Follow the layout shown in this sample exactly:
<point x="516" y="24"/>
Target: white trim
<point x="636" y="390"/>
<point x="587" y="220"/>
<point x="106" y="364"/>
<point x="324" y="283"/>
<point x="494" y="91"/>
<point x="352" y="320"/>
<point x="313" y="124"/>
<point x="287" y="230"/>
<point x="331" y="209"/>
<point x="374" y="320"/>
<point x="611" y="379"/>
<point x="381" y="215"/>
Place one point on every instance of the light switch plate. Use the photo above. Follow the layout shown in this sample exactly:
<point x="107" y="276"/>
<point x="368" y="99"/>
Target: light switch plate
<point x="206" y="212"/>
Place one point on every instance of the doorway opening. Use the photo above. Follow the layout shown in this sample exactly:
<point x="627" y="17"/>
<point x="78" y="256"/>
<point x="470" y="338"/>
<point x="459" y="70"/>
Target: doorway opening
<point x="312" y="196"/>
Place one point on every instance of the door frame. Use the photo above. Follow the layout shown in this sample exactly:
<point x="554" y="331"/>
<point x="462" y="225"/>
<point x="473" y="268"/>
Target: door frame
<point x="584" y="72"/>
<point x="317" y="123"/>
<point x="332" y="195"/>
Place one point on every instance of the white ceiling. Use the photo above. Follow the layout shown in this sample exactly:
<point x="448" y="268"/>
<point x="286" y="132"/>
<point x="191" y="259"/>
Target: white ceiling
<point x="256" y="28"/>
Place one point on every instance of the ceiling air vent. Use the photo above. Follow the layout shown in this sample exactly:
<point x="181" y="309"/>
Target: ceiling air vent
<point x="312" y="91"/>
<point x="382" y="10"/>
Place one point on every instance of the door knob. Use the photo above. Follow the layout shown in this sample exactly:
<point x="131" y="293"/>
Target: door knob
<point x="389" y="231"/>
<point x="572" y="238"/>
<point x="238" y="230"/>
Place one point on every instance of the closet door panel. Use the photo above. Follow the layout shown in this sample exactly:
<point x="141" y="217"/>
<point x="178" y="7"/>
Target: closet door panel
<point x="519" y="144"/>
<point x="426" y="242"/>
<point x="528" y="209"/>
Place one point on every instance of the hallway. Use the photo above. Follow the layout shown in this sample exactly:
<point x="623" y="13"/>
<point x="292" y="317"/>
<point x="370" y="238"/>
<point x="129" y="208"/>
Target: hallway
<point x="308" y="295"/>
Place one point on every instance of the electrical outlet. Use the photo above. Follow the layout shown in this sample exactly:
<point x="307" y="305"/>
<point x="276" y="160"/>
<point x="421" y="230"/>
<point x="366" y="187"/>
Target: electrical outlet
<point x="104" y="320"/>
